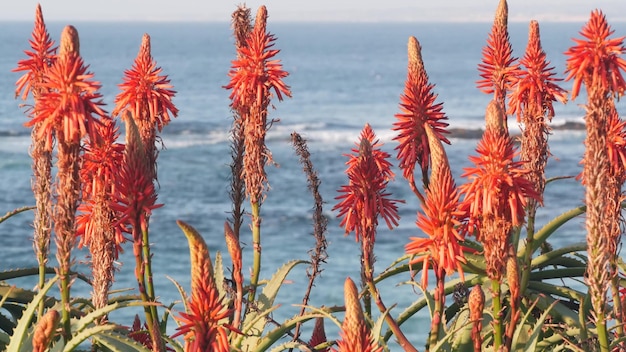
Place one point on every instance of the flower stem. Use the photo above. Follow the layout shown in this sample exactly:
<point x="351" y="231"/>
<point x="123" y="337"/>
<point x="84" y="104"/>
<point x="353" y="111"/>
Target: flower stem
<point x="433" y="337"/>
<point x="256" y="245"/>
<point x="497" y="308"/>
<point x="147" y="264"/>
<point x="528" y="251"/>
<point x="395" y="328"/>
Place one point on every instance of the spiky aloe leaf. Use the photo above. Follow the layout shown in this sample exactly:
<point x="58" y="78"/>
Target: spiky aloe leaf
<point x="80" y="337"/>
<point x="181" y="291"/>
<point x="117" y="342"/>
<point x="274" y="335"/>
<point x="23" y="329"/>
<point x="253" y="326"/>
<point x="78" y="325"/>
<point x="218" y="273"/>
<point x="533" y="338"/>
<point x="550" y="228"/>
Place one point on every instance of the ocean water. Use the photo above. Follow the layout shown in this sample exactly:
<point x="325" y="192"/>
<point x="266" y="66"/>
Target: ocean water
<point x="341" y="76"/>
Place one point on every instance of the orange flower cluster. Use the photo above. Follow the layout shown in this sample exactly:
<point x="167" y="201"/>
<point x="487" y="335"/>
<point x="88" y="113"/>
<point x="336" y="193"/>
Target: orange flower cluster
<point x="364" y="198"/>
<point x="41" y="57"/>
<point x="146" y="94"/>
<point x="497" y="184"/>
<point x="534" y="81"/>
<point x="497" y="68"/>
<point x="596" y="58"/>
<point x="67" y="110"/>
<point x="255" y="72"/>
<point x="419" y="110"/>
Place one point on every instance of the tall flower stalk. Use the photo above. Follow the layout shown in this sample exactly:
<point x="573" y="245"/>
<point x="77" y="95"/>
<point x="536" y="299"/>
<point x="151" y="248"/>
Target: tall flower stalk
<point x="440" y="221"/>
<point x="532" y="98"/>
<point x="146" y="97"/>
<point x="361" y="202"/>
<point x="595" y="62"/>
<point x="254" y="74"/>
<point x="43" y="54"/>
<point x="96" y="223"/>
<point x="495" y="199"/>
<point x="66" y="112"/>
<point x="134" y="200"/>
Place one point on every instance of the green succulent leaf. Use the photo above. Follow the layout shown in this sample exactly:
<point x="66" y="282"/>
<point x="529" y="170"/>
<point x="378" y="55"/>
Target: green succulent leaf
<point x="23" y="329"/>
<point x="254" y="322"/>
<point x="117" y="342"/>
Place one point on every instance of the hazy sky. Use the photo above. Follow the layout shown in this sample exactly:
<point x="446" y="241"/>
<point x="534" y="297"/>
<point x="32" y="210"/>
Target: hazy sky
<point x="311" y="10"/>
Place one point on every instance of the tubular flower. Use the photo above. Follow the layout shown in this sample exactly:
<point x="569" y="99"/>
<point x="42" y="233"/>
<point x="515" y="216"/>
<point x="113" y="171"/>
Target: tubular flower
<point x="145" y="92"/>
<point x="418" y="109"/>
<point x="616" y="145"/>
<point x="66" y="111"/>
<point x="364" y="199"/>
<point x="201" y="324"/>
<point x="255" y="72"/>
<point x="497" y="66"/>
<point x="535" y="87"/>
<point x="595" y="60"/>
<point x="497" y="185"/>
<point x="355" y="334"/>
<point x="39" y="59"/>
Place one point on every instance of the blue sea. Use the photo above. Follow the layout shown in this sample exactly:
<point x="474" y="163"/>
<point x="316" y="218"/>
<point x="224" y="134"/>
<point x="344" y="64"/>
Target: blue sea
<point x="342" y="76"/>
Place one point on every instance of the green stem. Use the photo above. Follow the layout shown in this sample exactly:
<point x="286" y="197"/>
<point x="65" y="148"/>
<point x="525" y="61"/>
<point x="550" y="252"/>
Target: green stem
<point x="147" y="265"/>
<point x="65" y="303"/>
<point x="141" y="285"/>
<point x="617" y="303"/>
<point x="256" y="245"/>
<point x="42" y="282"/>
<point x="395" y="328"/>
<point x="497" y="308"/>
<point x="528" y="252"/>
<point x="433" y="337"/>
<point x="603" y="336"/>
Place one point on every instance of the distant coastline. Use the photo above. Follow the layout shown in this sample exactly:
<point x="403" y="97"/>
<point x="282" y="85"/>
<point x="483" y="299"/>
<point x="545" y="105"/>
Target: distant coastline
<point x="476" y="133"/>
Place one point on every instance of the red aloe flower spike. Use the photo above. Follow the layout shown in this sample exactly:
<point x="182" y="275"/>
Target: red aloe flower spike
<point x="66" y="111"/>
<point x="440" y="220"/>
<point x="40" y="58"/>
<point x="355" y="334"/>
<point x="418" y="111"/>
<point x="596" y="59"/>
<point x="97" y="222"/>
<point x="364" y="199"/>
<point x="255" y="72"/>
<point x="202" y="323"/>
<point x="535" y="87"/>
<point x="146" y="93"/>
<point x="497" y="67"/>
<point x="497" y="184"/>
<point x="135" y="195"/>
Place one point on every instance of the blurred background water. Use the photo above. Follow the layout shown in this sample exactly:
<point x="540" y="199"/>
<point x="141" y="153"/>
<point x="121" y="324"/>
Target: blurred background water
<point x="341" y="76"/>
